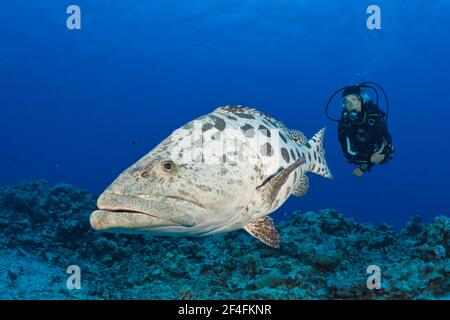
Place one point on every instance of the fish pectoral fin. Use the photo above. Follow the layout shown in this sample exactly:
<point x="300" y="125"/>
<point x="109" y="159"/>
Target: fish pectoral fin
<point x="264" y="230"/>
<point x="270" y="188"/>
<point x="301" y="187"/>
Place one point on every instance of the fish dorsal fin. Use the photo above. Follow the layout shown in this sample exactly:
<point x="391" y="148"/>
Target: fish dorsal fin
<point x="301" y="187"/>
<point x="234" y="112"/>
<point x="238" y="109"/>
<point x="264" y="230"/>
<point x="270" y="187"/>
<point x="298" y="136"/>
<point x="239" y="112"/>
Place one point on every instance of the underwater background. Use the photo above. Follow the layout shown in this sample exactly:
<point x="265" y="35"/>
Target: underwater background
<point x="79" y="106"/>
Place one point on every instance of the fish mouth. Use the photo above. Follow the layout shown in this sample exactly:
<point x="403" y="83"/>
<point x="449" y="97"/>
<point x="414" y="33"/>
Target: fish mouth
<point x="131" y="214"/>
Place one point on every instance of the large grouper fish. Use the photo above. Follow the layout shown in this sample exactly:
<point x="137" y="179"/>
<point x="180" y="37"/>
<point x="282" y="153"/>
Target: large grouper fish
<point x="224" y="171"/>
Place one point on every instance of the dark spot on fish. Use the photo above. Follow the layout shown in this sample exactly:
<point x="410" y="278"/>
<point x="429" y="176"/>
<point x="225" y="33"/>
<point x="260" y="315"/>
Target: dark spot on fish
<point x="204" y="187"/>
<point x="293" y="155"/>
<point x="266" y="122"/>
<point x="232" y="118"/>
<point x="218" y="122"/>
<point x="248" y="130"/>
<point x="308" y="145"/>
<point x="285" y="154"/>
<point x="145" y="174"/>
<point x="298" y="153"/>
<point x="295" y="176"/>
<point x="244" y="115"/>
<point x="187" y="126"/>
<point x="267" y="150"/>
<point x="207" y="126"/>
<point x="270" y="121"/>
<point x="315" y="156"/>
<point x="282" y="137"/>
<point x="264" y="131"/>
<point x="313" y="167"/>
<point x="309" y="156"/>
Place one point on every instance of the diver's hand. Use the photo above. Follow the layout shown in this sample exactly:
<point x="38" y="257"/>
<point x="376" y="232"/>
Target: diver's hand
<point x="358" y="172"/>
<point x="377" y="157"/>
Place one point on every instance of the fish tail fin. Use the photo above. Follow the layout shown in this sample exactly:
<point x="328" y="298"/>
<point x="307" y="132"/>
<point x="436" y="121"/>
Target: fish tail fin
<point x="318" y="164"/>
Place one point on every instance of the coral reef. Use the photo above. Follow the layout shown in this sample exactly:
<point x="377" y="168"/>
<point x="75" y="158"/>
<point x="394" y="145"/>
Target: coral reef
<point x="324" y="255"/>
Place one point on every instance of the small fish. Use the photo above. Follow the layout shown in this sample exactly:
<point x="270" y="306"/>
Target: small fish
<point x="225" y="171"/>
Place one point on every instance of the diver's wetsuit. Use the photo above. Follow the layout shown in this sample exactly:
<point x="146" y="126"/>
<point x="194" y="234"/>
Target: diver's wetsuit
<point x="362" y="137"/>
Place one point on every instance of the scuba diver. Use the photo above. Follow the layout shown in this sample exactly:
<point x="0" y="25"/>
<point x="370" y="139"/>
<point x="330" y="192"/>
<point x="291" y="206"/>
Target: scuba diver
<point x="362" y="130"/>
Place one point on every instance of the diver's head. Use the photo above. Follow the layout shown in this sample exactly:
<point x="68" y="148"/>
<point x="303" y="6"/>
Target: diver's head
<point x="352" y="99"/>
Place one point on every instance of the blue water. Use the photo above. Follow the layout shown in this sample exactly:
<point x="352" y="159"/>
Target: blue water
<point x="80" y="106"/>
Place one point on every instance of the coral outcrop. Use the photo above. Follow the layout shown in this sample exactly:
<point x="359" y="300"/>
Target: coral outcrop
<point x="324" y="255"/>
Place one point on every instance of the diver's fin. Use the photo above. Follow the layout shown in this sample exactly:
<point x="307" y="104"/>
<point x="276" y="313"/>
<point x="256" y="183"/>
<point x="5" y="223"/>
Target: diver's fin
<point x="298" y="136"/>
<point x="264" y="230"/>
<point x="301" y="187"/>
<point x="316" y="155"/>
<point x="270" y="187"/>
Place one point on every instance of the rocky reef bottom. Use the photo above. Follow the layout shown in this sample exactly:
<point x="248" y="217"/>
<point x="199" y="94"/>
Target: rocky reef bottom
<point x="44" y="229"/>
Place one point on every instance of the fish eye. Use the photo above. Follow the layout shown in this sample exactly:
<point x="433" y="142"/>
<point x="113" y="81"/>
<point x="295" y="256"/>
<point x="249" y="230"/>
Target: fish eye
<point x="168" y="166"/>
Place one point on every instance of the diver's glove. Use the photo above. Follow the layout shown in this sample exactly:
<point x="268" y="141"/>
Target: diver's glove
<point x="378" y="157"/>
<point x="388" y="151"/>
